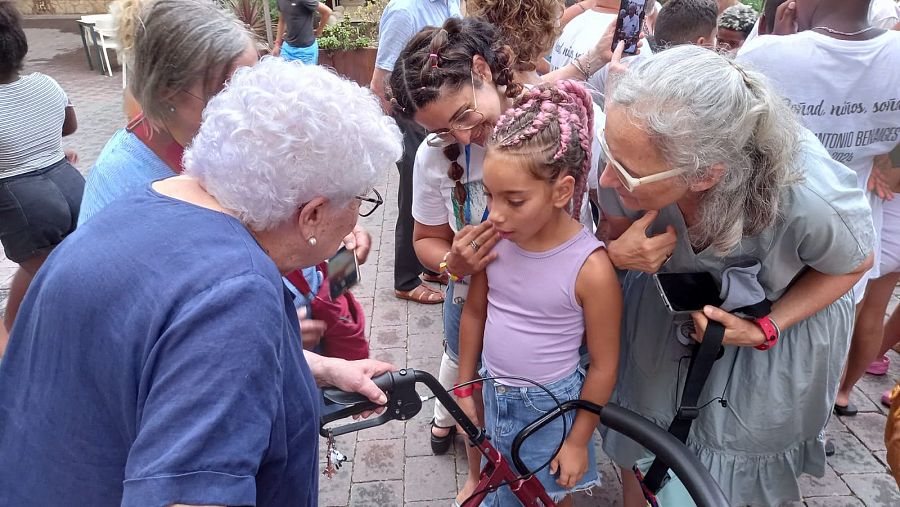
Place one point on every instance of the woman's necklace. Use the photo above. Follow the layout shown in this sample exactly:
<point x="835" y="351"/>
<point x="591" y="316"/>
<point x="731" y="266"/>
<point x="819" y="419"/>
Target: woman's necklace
<point x="845" y="34"/>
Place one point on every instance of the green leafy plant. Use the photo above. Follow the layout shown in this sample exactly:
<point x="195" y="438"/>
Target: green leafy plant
<point x="344" y="36"/>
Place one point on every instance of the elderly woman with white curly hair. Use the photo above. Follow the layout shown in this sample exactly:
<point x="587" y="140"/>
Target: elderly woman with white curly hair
<point x="159" y="361"/>
<point x="716" y="160"/>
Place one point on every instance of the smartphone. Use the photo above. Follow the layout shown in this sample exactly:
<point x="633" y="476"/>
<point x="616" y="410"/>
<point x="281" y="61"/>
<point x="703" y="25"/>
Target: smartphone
<point x="687" y="292"/>
<point x="343" y="271"/>
<point x="629" y="23"/>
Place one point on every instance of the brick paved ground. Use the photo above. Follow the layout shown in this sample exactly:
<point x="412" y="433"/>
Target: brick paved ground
<point x="393" y="465"/>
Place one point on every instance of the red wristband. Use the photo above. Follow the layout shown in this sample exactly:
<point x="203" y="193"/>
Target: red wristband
<point x="770" y="329"/>
<point x="465" y="391"/>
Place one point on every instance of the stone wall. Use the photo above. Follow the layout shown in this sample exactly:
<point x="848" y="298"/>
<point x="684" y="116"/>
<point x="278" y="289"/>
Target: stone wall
<point x="61" y="7"/>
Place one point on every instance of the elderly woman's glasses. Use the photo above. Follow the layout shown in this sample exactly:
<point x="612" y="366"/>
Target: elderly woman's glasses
<point x="629" y="181"/>
<point x="466" y="120"/>
<point x="368" y="204"/>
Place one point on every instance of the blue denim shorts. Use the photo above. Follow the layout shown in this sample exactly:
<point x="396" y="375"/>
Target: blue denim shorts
<point x="507" y="410"/>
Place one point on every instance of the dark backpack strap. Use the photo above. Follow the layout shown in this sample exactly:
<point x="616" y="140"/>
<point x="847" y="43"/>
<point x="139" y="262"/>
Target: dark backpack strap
<point x="702" y="360"/>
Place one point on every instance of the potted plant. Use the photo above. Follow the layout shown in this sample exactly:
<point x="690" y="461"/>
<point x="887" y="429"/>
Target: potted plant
<point x="350" y="52"/>
<point x="349" y="47"/>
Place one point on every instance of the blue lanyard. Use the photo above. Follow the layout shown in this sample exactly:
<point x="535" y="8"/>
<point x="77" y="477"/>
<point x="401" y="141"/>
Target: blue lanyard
<point x="467" y="213"/>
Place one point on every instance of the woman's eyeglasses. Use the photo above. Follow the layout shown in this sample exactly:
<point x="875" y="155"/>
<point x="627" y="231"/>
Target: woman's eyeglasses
<point x="368" y="204"/>
<point x="466" y="120"/>
<point x="628" y="181"/>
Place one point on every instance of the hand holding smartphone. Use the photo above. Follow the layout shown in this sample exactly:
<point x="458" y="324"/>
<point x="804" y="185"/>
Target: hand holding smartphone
<point x="343" y="272"/>
<point x="685" y="293"/>
<point x="628" y="25"/>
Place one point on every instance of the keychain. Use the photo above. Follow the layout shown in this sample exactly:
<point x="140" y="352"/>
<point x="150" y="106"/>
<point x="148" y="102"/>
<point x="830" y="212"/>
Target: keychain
<point x="333" y="458"/>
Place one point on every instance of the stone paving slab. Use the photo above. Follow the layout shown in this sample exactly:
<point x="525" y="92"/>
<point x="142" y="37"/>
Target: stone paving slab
<point x="393" y="465"/>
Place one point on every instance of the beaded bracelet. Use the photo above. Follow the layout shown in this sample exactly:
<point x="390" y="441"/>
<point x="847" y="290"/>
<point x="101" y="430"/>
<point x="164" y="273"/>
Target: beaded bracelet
<point x="444" y="268"/>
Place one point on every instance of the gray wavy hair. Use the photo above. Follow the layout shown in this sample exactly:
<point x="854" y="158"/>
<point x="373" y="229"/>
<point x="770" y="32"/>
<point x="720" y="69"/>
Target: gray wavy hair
<point x="172" y="44"/>
<point x="282" y="133"/>
<point x="702" y="109"/>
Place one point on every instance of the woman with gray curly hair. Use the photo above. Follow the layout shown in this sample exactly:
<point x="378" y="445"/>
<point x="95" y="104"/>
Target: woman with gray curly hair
<point x="710" y="154"/>
<point x="159" y="361"/>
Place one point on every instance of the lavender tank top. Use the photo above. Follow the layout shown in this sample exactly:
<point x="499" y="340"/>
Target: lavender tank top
<point x="534" y="324"/>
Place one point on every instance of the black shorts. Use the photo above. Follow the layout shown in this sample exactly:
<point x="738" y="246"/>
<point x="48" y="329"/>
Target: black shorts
<point x="39" y="209"/>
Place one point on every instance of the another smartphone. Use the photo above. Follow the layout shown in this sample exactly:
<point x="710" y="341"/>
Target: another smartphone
<point x="687" y="292"/>
<point x="343" y="271"/>
<point x="629" y="23"/>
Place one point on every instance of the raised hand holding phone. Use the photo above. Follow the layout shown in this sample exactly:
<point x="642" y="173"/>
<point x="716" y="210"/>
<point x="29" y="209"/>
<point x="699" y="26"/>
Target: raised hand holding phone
<point x="628" y="25"/>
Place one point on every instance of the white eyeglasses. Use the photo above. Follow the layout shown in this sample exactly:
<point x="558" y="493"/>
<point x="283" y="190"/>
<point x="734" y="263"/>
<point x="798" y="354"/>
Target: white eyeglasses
<point x="629" y="181"/>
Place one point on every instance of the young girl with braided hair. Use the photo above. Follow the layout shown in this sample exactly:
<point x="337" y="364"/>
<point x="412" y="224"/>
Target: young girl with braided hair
<point x="455" y="81"/>
<point x="551" y="288"/>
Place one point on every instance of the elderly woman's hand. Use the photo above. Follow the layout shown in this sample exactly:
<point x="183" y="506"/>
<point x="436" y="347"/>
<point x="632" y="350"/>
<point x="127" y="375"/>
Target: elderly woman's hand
<point x="471" y="249"/>
<point x="738" y="331"/>
<point x="350" y="376"/>
<point x="360" y="241"/>
<point x="634" y="251"/>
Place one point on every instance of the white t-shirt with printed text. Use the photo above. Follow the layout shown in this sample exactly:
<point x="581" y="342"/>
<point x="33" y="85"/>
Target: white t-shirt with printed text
<point x="846" y="92"/>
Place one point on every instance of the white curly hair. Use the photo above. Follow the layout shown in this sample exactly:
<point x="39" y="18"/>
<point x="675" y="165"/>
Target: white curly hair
<point x="282" y="133"/>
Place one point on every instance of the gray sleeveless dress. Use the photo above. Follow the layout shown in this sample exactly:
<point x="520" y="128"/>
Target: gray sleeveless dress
<point x="778" y="401"/>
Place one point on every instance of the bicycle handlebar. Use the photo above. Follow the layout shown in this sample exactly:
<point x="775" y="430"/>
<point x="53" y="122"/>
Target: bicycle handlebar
<point x="404" y="403"/>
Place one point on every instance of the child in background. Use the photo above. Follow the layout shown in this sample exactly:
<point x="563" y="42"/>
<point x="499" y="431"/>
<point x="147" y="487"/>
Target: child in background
<point x="551" y="289"/>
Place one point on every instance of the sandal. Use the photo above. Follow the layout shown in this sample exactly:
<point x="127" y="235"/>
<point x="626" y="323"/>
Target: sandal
<point x="438" y="279"/>
<point x="422" y="294"/>
<point x="440" y="445"/>
<point x="847" y="410"/>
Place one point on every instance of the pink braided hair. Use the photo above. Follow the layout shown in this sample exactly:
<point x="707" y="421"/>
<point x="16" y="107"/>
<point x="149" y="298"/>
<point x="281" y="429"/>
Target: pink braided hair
<point x="553" y="124"/>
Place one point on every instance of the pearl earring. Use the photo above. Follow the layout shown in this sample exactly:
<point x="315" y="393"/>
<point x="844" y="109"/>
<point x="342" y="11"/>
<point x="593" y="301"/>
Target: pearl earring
<point x="312" y="241"/>
<point x="172" y="109"/>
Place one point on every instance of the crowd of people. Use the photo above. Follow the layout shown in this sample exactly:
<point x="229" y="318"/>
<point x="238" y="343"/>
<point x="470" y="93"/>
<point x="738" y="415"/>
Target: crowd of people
<point x="166" y="334"/>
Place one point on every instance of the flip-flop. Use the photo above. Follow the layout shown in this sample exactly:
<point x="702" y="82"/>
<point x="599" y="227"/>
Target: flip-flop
<point x="848" y="410"/>
<point x="886" y="398"/>
<point x="829" y="448"/>
<point x="421" y="294"/>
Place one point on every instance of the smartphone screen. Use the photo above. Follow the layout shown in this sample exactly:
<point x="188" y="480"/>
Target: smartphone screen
<point x="629" y="23"/>
<point x="343" y="272"/>
<point x="687" y="292"/>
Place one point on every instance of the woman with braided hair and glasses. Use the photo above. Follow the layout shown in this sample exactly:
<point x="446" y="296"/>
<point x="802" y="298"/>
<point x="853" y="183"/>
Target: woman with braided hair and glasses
<point x="533" y="326"/>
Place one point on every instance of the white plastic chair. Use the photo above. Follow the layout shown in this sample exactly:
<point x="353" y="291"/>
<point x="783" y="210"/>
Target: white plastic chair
<point x="105" y="28"/>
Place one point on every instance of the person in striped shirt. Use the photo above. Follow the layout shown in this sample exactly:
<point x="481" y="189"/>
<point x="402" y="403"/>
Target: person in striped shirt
<point x="40" y="190"/>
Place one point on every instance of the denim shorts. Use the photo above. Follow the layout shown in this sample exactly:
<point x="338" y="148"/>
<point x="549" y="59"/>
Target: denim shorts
<point x="39" y="209"/>
<point x="507" y="410"/>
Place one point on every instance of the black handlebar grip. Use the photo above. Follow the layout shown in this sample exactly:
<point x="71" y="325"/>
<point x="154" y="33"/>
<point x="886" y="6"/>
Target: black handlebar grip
<point x="333" y="395"/>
